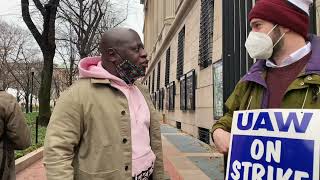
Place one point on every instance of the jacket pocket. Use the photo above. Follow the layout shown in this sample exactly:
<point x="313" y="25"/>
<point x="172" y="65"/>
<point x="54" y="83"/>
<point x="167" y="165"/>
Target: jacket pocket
<point x="107" y="175"/>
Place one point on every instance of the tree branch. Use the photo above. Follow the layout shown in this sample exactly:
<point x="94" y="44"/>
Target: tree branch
<point x="69" y="40"/>
<point x="39" y="7"/>
<point x="27" y="19"/>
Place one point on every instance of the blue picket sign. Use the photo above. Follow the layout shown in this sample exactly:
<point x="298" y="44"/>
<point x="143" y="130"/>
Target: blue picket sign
<point x="274" y="144"/>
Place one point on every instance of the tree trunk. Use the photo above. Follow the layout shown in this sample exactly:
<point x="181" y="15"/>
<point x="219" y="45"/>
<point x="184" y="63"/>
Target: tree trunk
<point x="46" y="41"/>
<point x="45" y="87"/>
<point x="26" y="98"/>
<point x="71" y="70"/>
<point x="26" y="95"/>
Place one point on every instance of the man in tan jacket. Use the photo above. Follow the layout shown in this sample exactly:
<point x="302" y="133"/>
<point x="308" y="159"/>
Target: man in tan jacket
<point x="14" y="134"/>
<point x="105" y="126"/>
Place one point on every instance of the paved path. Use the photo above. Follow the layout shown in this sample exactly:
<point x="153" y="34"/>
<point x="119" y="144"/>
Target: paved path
<point x="34" y="172"/>
<point x="188" y="158"/>
<point x="185" y="157"/>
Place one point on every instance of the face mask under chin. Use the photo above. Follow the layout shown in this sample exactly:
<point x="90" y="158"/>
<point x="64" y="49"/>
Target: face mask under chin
<point x="129" y="72"/>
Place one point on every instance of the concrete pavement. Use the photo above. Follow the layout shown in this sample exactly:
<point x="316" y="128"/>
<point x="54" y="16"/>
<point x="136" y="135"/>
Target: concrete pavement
<point x="186" y="157"/>
<point x="34" y="172"/>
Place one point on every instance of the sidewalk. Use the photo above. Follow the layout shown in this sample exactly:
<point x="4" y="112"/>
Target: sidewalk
<point x="34" y="172"/>
<point x="185" y="158"/>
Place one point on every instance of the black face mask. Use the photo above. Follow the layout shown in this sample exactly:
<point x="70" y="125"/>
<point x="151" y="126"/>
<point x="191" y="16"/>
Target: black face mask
<point x="128" y="71"/>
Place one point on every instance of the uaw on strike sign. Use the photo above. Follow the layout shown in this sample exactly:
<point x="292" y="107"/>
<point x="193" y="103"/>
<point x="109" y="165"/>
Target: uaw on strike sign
<point x="274" y="144"/>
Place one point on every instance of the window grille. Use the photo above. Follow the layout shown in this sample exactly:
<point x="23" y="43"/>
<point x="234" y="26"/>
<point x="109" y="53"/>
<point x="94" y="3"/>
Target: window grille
<point x="204" y="135"/>
<point x="167" y="75"/>
<point x="153" y="74"/>
<point x="158" y="76"/>
<point x="180" y="58"/>
<point x="206" y="33"/>
<point x="149" y="83"/>
<point x="172" y="93"/>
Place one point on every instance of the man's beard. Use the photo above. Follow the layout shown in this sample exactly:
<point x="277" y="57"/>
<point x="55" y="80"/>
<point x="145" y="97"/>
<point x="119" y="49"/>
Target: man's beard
<point x="276" y="36"/>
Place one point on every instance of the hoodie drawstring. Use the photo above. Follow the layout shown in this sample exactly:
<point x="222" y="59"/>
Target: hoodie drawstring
<point x="305" y="98"/>
<point x="249" y="103"/>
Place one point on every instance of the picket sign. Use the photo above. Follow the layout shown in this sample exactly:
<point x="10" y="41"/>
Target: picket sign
<point x="274" y="144"/>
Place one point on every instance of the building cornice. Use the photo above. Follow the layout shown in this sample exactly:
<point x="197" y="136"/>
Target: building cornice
<point x="167" y="22"/>
<point x="186" y="6"/>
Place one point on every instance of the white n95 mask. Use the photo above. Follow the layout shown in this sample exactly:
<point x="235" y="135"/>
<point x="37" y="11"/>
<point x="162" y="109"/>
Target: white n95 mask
<point x="259" y="45"/>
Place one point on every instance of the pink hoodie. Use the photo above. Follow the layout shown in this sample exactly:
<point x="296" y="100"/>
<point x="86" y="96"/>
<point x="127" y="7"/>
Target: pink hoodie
<point x="142" y="155"/>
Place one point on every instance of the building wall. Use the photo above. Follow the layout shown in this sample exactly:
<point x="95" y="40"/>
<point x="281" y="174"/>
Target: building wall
<point x="163" y="22"/>
<point x="203" y="114"/>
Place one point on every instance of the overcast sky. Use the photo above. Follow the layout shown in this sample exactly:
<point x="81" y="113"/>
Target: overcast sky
<point x="10" y="11"/>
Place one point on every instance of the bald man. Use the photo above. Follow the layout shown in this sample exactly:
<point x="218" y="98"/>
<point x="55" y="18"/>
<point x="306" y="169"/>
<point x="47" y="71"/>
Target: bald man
<point x="105" y="126"/>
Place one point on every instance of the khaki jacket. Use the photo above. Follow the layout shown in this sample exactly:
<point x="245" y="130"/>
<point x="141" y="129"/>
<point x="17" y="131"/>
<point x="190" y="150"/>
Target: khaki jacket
<point x="86" y="132"/>
<point x="14" y="134"/>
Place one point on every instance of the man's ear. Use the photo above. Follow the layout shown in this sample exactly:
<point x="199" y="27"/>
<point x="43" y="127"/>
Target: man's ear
<point x="111" y="55"/>
<point x="284" y="29"/>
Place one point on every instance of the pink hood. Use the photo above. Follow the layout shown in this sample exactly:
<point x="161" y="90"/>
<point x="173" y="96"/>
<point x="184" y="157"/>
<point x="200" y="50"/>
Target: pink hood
<point x="91" y="67"/>
<point x="142" y="155"/>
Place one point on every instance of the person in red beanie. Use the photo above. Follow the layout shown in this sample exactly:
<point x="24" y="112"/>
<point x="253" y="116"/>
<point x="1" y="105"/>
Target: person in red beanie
<point x="287" y="71"/>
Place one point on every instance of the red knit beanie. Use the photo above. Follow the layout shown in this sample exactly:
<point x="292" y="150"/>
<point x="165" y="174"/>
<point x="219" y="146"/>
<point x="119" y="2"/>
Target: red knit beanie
<point x="283" y="13"/>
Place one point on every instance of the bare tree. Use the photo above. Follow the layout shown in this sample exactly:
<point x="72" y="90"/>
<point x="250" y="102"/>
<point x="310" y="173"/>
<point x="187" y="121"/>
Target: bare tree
<point x="67" y="52"/>
<point x="60" y="81"/>
<point x="9" y="37"/>
<point x="18" y="58"/>
<point x="88" y="19"/>
<point x="23" y="67"/>
<point x="80" y="25"/>
<point x="46" y="42"/>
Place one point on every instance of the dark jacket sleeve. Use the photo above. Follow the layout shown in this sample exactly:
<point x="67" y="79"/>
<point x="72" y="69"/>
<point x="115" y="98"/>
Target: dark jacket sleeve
<point x="17" y="130"/>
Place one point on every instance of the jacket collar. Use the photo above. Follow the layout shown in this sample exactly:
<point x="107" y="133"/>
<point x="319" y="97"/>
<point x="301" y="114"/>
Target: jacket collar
<point x="255" y="73"/>
<point x="107" y="81"/>
<point x="312" y="67"/>
<point x="100" y="81"/>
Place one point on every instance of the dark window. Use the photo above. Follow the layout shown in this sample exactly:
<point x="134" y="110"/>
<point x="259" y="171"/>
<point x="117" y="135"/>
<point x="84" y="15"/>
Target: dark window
<point x="158" y="76"/>
<point x="167" y="102"/>
<point x="180" y="59"/>
<point x="171" y="95"/>
<point x="153" y="74"/>
<point x="190" y="90"/>
<point x="178" y="125"/>
<point x="161" y="97"/>
<point x="153" y="97"/>
<point x="149" y="83"/>
<point x="167" y="75"/>
<point x="206" y="33"/>
<point x="157" y="99"/>
<point x="204" y="135"/>
<point x="183" y="100"/>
